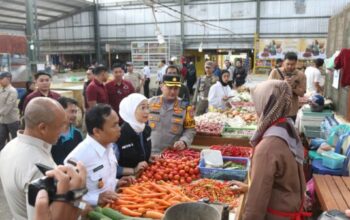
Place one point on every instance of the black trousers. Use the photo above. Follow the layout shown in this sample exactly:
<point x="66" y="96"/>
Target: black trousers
<point x="146" y="87"/>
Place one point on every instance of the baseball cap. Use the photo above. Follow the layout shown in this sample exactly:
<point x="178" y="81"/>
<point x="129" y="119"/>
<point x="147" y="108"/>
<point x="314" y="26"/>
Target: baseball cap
<point x="5" y="74"/>
<point x="172" y="80"/>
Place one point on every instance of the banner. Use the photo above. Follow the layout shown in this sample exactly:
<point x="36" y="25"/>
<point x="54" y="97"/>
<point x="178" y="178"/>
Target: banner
<point x="305" y="48"/>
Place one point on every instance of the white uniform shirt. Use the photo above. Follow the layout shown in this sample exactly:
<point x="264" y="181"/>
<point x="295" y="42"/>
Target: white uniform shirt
<point x="101" y="165"/>
<point x="313" y="75"/>
<point x="17" y="170"/>
<point x="216" y="93"/>
<point x="161" y="73"/>
<point x="147" y="72"/>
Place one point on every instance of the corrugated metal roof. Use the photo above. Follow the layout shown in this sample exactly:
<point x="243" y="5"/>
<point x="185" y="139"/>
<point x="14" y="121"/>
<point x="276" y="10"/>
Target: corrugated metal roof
<point x="13" y="12"/>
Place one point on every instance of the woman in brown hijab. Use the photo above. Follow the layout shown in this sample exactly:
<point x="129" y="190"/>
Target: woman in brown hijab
<point x="277" y="185"/>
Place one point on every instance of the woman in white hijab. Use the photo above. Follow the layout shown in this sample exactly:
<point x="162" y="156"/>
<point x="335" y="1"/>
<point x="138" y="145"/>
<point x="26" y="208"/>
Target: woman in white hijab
<point x="134" y="145"/>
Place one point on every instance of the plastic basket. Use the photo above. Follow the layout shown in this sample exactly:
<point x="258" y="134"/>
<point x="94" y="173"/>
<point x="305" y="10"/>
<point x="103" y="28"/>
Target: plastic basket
<point x="222" y="174"/>
<point x="312" y="132"/>
<point x="332" y="160"/>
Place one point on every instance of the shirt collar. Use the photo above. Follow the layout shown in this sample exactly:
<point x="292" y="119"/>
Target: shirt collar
<point x="121" y="83"/>
<point x="98" y="82"/>
<point x="36" y="142"/>
<point x="100" y="150"/>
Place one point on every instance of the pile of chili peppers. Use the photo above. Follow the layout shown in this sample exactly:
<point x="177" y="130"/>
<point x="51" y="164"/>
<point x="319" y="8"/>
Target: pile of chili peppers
<point x="214" y="190"/>
<point x="188" y="154"/>
<point x="233" y="151"/>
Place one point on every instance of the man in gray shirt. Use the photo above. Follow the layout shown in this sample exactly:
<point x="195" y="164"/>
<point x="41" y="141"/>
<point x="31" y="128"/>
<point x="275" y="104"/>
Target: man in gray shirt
<point x="9" y="114"/>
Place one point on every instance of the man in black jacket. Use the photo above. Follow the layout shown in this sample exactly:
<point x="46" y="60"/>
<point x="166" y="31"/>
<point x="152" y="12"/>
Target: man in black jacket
<point x="239" y="74"/>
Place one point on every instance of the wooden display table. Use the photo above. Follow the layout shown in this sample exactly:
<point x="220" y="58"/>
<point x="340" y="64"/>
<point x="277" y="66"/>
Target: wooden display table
<point x="333" y="192"/>
<point x="203" y="140"/>
<point x="76" y="88"/>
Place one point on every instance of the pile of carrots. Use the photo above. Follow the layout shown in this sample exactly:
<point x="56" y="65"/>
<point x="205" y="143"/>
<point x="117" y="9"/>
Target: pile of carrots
<point x="148" y="199"/>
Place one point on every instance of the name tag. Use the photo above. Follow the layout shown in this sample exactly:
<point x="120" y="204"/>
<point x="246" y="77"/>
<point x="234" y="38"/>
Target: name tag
<point x="97" y="168"/>
<point x="127" y="146"/>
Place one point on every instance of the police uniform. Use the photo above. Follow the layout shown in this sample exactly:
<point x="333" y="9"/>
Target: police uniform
<point x="101" y="165"/>
<point x="200" y="98"/>
<point x="170" y="122"/>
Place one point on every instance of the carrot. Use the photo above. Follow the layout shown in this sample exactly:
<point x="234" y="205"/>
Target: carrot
<point x="162" y="202"/>
<point x="158" y="187"/>
<point x="123" y="202"/>
<point x="129" y="191"/>
<point x="129" y="212"/>
<point x="152" y="195"/>
<point x="154" y="215"/>
<point x="142" y="210"/>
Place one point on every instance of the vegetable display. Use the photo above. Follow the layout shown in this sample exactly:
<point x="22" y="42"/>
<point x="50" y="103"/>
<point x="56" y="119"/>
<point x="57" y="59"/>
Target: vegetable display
<point x="175" y="171"/>
<point x="233" y="151"/>
<point x="148" y="199"/>
<point x="188" y="154"/>
<point x="215" y="191"/>
<point x="110" y="214"/>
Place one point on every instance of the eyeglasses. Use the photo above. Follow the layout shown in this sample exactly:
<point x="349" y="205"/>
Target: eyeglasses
<point x="171" y="73"/>
<point x="208" y="67"/>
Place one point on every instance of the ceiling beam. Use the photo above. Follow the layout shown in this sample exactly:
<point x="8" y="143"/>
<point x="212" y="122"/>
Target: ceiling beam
<point x="44" y="14"/>
<point x="11" y="27"/>
<point x="48" y="8"/>
<point x="17" y="17"/>
<point x="12" y="23"/>
<point x="71" y="4"/>
<point x="66" y="15"/>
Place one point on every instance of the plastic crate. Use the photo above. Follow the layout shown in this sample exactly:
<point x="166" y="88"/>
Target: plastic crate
<point x="313" y="132"/>
<point x="332" y="160"/>
<point x="232" y="132"/>
<point x="323" y="114"/>
<point x="222" y="174"/>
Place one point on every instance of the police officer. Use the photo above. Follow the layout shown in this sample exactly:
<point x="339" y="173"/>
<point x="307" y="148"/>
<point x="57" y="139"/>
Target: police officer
<point x="200" y="98"/>
<point x="171" y="119"/>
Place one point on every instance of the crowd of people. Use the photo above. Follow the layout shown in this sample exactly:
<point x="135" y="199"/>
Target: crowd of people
<point x="126" y="130"/>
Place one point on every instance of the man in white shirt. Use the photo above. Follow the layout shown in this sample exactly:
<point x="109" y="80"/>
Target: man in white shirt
<point x="96" y="153"/>
<point x="9" y="114"/>
<point x="161" y="71"/>
<point x="44" y="122"/>
<point x="147" y="75"/>
<point x="135" y="78"/>
<point x="313" y="77"/>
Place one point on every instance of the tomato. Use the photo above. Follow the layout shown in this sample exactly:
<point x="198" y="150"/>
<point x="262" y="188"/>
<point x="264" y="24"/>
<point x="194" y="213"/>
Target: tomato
<point x="194" y="177"/>
<point x="176" y="177"/>
<point x="191" y="171"/>
<point x="181" y="167"/>
<point x="196" y="170"/>
<point x="187" y="168"/>
<point x="188" y="179"/>
<point x="149" y="175"/>
<point x="176" y="182"/>
<point x="186" y="175"/>
<point x="182" y="172"/>
<point x="171" y="176"/>
<point x="158" y="177"/>
<point x="182" y="181"/>
<point x="165" y="177"/>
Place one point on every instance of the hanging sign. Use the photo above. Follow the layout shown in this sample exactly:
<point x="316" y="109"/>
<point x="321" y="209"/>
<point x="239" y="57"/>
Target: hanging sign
<point x="336" y="76"/>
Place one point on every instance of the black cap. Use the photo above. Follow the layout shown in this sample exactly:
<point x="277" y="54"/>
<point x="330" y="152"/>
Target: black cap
<point x="41" y="73"/>
<point x="172" y="80"/>
<point x="5" y="74"/>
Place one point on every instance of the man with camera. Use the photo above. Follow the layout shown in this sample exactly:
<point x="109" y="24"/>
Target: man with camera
<point x="67" y="179"/>
<point x="44" y="122"/>
<point x="96" y="152"/>
<point x="295" y="78"/>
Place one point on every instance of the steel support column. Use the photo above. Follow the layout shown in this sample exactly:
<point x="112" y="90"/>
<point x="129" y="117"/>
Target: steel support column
<point x="182" y="22"/>
<point x="31" y="36"/>
<point x="258" y="5"/>
<point x="97" y="33"/>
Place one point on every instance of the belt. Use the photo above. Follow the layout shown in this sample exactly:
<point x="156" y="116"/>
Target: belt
<point x="291" y="215"/>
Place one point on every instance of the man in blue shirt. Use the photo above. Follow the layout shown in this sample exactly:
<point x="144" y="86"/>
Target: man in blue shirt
<point x="71" y="137"/>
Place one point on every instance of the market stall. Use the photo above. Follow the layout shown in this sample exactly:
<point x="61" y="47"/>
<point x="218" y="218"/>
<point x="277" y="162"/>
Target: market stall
<point x="183" y="177"/>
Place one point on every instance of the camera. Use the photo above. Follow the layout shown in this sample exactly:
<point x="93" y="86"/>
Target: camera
<point x="47" y="183"/>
